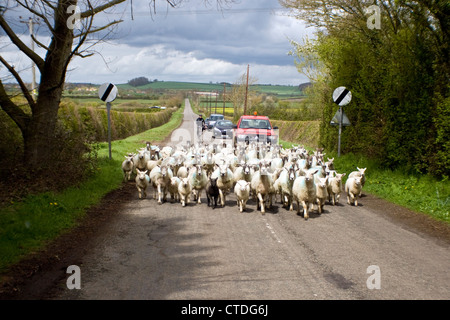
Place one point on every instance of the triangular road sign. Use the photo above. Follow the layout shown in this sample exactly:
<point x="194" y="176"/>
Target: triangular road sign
<point x="337" y="118"/>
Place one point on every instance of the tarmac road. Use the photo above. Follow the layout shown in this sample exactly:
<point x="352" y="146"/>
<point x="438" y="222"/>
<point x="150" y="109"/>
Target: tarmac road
<point x="168" y="252"/>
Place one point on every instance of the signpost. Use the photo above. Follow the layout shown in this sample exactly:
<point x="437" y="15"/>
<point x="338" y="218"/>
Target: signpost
<point x="341" y="96"/>
<point x="108" y="92"/>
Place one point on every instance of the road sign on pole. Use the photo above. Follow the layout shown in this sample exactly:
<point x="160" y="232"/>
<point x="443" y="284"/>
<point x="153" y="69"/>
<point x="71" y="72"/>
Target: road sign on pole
<point x="341" y="96"/>
<point x="108" y="92"/>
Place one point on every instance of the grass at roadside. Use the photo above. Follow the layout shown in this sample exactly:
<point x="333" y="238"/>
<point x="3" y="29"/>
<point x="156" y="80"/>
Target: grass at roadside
<point x="420" y="193"/>
<point x="28" y="225"/>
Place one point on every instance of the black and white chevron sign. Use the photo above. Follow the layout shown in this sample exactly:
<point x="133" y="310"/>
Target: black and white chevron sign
<point x="342" y="96"/>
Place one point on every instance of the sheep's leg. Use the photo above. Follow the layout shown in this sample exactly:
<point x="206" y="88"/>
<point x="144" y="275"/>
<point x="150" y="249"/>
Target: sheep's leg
<point x="199" y="194"/>
<point x="159" y="193"/>
<point x="291" y="207"/>
<point x="139" y="191"/>
<point x="355" y="200"/>
<point x="144" y="191"/>
<point x="261" y="201"/>
<point x="222" y="198"/>
<point x="240" y="206"/>
<point x="305" y="210"/>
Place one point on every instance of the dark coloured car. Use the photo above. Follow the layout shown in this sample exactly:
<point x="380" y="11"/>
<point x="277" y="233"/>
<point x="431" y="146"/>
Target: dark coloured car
<point x="213" y="118"/>
<point x="223" y="129"/>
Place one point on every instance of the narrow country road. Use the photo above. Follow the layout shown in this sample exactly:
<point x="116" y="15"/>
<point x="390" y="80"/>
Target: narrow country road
<point x="152" y="251"/>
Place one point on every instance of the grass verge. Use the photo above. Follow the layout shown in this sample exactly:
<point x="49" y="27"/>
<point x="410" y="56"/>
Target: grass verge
<point x="27" y="226"/>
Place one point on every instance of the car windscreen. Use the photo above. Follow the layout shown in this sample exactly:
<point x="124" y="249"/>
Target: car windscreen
<point x="255" y="124"/>
<point x="224" y="124"/>
<point x="215" y="118"/>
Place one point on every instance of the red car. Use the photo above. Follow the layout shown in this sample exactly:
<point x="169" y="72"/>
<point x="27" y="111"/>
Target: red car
<point x="255" y="128"/>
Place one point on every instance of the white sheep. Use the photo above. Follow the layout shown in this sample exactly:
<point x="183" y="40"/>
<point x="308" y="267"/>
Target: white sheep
<point x="184" y="191"/>
<point x="140" y="159"/>
<point x="243" y="171"/>
<point x="198" y="180"/>
<point x="153" y="163"/>
<point x="160" y="177"/>
<point x="173" y="188"/>
<point x="360" y="173"/>
<point x="304" y="192"/>
<point x="335" y="187"/>
<point x="285" y="184"/>
<point x="242" y="191"/>
<point x="142" y="183"/>
<point x="224" y="181"/>
<point x="321" y="192"/>
<point x="353" y="189"/>
<point x="127" y="167"/>
<point x="262" y="185"/>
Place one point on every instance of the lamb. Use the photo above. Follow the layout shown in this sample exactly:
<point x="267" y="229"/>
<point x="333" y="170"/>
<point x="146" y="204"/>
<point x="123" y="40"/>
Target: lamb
<point x="224" y="182"/>
<point x="242" y="191"/>
<point x="127" y="167"/>
<point x="261" y="184"/>
<point x="153" y="163"/>
<point x="321" y="192"/>
<point x="353" y="187"/>
<point x="140" y="159"/>
<point x="286" y="182"/>
<point x="160" y="177"/>
<point x="142" y="183"/>
<point x="243" y="172"/>
<point x="198" y="181"/>
<point x="360" y="173"/>
<point x="184" y="191"/>
<point x="173" y="188"/>
<point x="335" y="187"/>
<point x="212" y="192"/>
<point x="304" y="191"/>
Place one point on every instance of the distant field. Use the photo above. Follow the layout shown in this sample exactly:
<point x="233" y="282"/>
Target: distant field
<point x="279" y="90"/>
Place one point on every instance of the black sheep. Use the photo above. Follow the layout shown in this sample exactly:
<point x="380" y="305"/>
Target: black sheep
<point x="212" y="191"/>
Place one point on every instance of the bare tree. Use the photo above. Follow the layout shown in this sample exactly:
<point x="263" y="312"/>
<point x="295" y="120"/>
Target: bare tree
<point x="69" y="32"/>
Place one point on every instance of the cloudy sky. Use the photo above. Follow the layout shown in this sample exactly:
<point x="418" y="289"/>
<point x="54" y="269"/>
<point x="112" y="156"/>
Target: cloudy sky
<point x="193" y="42"/>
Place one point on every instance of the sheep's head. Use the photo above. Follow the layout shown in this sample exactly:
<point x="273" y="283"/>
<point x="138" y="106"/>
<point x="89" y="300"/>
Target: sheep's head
<point x="164" y="170"/>
<point x="213" y="182"/>
<point x="322" y="183"/>
<point x="141" y="153"/>
<point x="184" y="182"/>
<point x="357" y="181"/>
<point x="141" y="174"/>
<point x="361" y="170"/>
<point x="339" y="176"/>
<point x="310" y="174"/>
<point x="264" y="167"/>
<point x="292" y="173"/>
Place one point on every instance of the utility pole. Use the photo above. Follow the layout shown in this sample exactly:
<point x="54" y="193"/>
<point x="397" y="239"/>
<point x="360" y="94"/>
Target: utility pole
<point x="33" y="65"/>
<point x="223" y="97"/>
<point x="246" y="92"/>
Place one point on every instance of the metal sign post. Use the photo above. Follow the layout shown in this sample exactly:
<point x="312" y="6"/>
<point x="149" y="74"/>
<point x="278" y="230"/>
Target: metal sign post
<point x="341" y="96"/>
<point x="108" y="92"/>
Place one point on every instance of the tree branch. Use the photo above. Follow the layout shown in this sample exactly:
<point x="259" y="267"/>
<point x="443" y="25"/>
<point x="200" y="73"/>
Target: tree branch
<point x="13" y="111"/>
<point x="22" y="85"/>
<point x="94" y="11"/>
<point x="22" y="46"/>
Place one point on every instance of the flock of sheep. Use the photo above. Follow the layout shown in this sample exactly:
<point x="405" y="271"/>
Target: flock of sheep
<point x="260" y="171"/>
